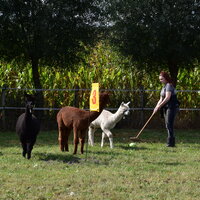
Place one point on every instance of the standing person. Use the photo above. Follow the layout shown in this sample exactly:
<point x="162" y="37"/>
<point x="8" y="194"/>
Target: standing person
<point x="168" y="105"/>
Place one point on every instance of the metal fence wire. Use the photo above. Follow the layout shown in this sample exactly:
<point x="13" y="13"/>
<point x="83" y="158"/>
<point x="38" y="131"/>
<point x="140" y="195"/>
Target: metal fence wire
<point x="142" y="103"/>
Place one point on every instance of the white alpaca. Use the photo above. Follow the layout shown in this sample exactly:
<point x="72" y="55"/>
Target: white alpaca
<point x="106" y="121"/>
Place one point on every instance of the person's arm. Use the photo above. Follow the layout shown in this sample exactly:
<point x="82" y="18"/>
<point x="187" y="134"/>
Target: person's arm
<point x="162" y="102"/>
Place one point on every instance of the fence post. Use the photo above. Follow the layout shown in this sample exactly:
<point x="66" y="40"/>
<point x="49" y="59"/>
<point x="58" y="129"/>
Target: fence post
<point x="76" y="97"/>
<point x="3" y="103"/>
<point x="142" y="104"/>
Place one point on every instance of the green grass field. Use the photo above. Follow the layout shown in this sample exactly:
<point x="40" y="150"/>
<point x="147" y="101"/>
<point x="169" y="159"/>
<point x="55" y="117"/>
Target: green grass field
<point x="148" y="171"/>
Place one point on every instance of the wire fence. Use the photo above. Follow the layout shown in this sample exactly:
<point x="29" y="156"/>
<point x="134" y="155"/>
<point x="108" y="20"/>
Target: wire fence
<point x="141" y="91"/>
<point x="140" y="105"/>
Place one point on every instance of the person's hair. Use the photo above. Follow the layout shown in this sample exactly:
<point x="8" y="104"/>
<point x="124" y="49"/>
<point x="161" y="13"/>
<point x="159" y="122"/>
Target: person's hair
<point x="167" y="77"/>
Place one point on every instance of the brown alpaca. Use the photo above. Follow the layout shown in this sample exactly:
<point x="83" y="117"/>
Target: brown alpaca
<point x="69" y="118"/>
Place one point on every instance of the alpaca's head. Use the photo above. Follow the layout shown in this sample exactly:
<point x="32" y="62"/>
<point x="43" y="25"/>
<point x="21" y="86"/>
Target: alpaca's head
<point x="125" y="108"/>
<point x="104" y="99"/>
<point x="29" y="101"/>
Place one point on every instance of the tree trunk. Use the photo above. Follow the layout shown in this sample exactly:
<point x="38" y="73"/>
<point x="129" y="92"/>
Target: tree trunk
<point x="173" y="69"/>
<point x="36" y="76"/>
<point x="37" y="84"/>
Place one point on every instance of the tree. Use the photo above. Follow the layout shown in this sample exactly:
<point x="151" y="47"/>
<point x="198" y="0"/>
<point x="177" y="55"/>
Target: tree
<point x="46" y="32"/>
<point x="159" y="32"/>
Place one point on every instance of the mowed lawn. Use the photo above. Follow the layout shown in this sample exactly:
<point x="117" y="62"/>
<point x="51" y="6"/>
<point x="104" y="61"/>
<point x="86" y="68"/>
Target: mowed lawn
<point x="149" y="170"/>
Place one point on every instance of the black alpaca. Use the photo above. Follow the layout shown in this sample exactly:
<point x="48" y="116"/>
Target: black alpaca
<point x="28" y="127"/>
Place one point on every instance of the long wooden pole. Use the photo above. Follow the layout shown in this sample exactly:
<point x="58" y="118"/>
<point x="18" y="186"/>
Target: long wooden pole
<point x="145" y="125"/>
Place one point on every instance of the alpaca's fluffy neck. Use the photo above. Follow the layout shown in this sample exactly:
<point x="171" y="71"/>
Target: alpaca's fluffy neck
<point x="28" y="113"/>
<point x="94" y="114"/>
<point x="117" y="116"/>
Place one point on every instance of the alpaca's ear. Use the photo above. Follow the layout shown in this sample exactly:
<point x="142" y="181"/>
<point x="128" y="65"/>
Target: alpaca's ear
<point x="122" y="103"/>
<point x="128" y="103"/>
<point x="36" y="94"/>
<point x="25" y="94"/>
<point x="106" y="92"/>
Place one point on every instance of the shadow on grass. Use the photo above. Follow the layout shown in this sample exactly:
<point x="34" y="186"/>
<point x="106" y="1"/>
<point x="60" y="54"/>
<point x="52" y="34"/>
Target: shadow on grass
<point x="166" y="163"/>
<point x="133" y="148"/>
<point x="103" y="153"/>
<point x="69" y="159"/>
<point x="173" y="164"/>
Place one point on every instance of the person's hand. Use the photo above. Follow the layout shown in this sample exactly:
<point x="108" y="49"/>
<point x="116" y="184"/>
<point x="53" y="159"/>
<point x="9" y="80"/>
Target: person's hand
<point x="156" y="109"/>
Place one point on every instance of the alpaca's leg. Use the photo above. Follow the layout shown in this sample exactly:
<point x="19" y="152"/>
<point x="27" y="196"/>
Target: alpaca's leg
<point x="82" y="139"/>
<point x="110" y="136"/>
<point x="67" y="133"/>
<point x="61" y="138"/>
<point x="102" y="139"/>
<point x="29" y="149"/>
<point x="111" y="142"/>
<point x="24" y="147"/>
<point x="62" y="133"/>
<point x="75" y="140"/>
<point x="91" y="136"/>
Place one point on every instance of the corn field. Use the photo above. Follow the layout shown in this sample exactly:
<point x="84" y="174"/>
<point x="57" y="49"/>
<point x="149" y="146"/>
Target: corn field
<point x="115" y="73"/>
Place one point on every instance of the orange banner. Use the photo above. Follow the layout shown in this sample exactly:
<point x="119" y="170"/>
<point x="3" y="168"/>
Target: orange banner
<point x="94" y="97"/>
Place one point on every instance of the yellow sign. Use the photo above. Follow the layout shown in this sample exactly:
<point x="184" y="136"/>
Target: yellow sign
<point x="94" y="97"/>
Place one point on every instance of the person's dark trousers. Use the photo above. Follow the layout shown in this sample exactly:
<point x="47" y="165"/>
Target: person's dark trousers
<point x="169" y="116"/>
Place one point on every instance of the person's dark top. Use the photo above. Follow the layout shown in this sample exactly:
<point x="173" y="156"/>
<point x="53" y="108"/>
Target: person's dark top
<point x="173" y="102"/>
<point x="168" y="88"/>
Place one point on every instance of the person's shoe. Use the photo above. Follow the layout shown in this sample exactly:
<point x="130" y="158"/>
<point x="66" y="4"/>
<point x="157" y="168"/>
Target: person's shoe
<point x="171" y="142"/>
<point x="168" y="145"/>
